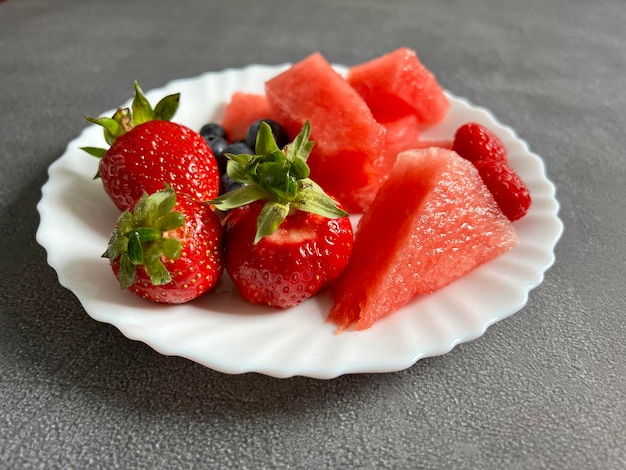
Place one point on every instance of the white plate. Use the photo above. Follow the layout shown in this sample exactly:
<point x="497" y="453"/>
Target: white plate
<point x="223" y="332"/>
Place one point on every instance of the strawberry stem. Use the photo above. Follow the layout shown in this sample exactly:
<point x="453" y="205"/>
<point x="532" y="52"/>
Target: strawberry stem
<point x="138" y="239"/>
<point x="281" y="177"/>
<point x="125" y="119"/>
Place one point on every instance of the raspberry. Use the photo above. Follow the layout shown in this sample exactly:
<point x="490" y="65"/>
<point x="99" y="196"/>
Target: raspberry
<point x="475" y="142"/>
<point x="507" y="187"/>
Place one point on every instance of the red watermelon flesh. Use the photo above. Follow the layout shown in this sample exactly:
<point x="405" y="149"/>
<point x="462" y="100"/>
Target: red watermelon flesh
<point x="397" y="84"/>
<point x="402" y="134"/>
<point x="242" y="110"/>
<point x="432" y="222"/>
<point x="348" y="140"/>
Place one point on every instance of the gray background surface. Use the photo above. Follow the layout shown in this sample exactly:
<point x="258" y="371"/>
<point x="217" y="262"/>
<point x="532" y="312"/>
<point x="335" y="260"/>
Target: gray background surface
<point x="545" y="388"/>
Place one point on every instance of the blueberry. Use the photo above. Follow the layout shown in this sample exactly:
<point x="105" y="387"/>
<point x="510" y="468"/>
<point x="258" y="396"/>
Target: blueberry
<point x="218" y="144"/>
<point x="280" y="135"/>
<point x="239" y="147"/>
<point x="212" y="129"/>
<point x="227" y="184"/>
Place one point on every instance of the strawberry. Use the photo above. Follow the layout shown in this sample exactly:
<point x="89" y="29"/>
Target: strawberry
<point x="147" y="151"/>
<point x="167" y="248"/>
<point x="487" y="152"/>
<point x="475" y="142"/>
<point x="305" y="253"/>
<point x="507" y="187"/>
<point x="285" y="239"/>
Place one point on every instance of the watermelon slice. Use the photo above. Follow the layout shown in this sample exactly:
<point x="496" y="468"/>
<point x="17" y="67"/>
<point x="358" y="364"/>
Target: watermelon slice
<point x="432" y="222"/>
<point x="348" y="140"/>
<point x="242" y="110"/>
<point x="397" y="84"/>
<point x="402" y="134"/>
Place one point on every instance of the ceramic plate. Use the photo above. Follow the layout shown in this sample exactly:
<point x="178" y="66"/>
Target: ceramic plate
<point x="223" y="332"/>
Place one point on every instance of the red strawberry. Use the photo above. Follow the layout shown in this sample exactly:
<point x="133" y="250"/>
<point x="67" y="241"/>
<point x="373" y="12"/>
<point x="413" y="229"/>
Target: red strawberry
<point x="147" y="151"/>
<point x="167" y="248"/>
<point x="487" y="152"/>
<point x="305" y="253"/>
<point x="475" y="142"/>
<point x="285" y="239"/>
<point x="507" y="187"/>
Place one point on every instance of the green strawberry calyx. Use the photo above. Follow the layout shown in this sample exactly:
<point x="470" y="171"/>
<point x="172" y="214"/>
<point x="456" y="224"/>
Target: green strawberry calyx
<point x="139" y="238"/>
<point x="125" y="119"/>
<point x="281" y="177"/>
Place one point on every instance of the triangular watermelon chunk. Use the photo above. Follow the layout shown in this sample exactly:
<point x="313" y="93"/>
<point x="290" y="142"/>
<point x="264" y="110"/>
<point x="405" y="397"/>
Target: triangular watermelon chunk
<point x="432" y="222"/>
<point x="349" y="142"/>
<point x="398" y="84"/>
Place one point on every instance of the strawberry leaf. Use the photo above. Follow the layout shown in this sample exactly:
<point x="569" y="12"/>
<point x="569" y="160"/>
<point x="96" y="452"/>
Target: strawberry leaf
<point x="139" y="239"/>
<point x="94" y="151"/>
<point x="312" y="199"/>
<point x="112" y="128"/>
<point x="239" y="197"/>
<point x="265" y="141"/>
<point x="301" y="147"/>
<point x="135" y="250"/>
<point x="299" y="169"/>
<point x="125" y="222"/>
<point x="270" y="218"/>
<point x="127" y="272"/>
<point x="241" y="158"/>
<point x="167" y="107"/>
<point x="142" y="110"/>
<point x="146" y="234"/>
<point x="142" y="211"/>
<point x="237" y="167"/>
<point x="118" y="244"/>
<point x="124" y="119"/>
<point x="164" y="201"/>
<point x="276" y="179"/>
<point x="157" y="272"/>
<point x="166" y="246"/>
<point x="170" y="221"/>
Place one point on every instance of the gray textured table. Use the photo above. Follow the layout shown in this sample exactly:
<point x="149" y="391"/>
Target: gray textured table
<point x="545" y="388"/>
